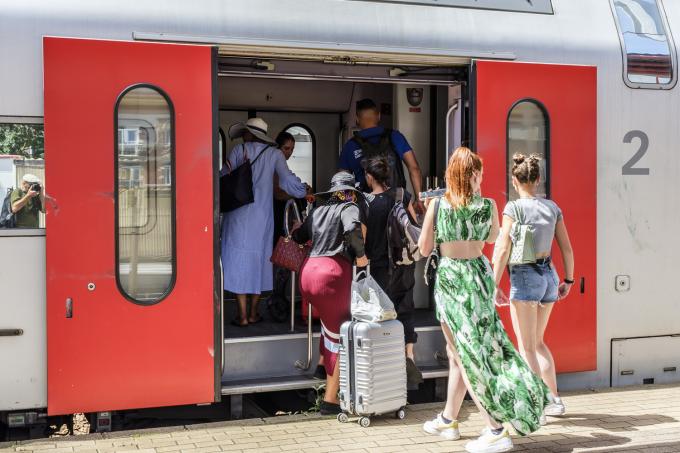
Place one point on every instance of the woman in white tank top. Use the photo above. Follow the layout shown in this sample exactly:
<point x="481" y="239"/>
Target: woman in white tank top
<point x="534" y="287"/>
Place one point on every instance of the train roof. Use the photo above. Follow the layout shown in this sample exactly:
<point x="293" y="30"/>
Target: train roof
<point x="575" y="32"/>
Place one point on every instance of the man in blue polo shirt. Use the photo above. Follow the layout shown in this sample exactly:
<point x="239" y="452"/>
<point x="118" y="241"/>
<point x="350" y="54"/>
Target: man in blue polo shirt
<point x="379" y="139"/>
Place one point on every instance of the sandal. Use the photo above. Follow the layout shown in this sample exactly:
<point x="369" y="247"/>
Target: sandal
<point x="255" y="320"/>
<point x="239" y="323"/>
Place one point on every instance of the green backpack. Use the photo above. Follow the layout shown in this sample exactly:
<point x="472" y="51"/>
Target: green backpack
<point x="522" y="236"/>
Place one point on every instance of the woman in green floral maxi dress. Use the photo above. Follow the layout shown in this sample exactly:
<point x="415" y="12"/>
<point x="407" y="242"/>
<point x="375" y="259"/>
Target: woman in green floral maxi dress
<point x="480" y="352"/>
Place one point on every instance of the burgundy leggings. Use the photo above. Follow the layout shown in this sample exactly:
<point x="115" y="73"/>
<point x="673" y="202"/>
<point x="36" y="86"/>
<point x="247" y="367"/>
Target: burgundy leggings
<point x="325" y="282"/>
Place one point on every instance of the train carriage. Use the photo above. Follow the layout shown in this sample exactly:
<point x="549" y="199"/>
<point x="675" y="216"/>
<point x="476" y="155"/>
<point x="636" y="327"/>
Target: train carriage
<point x="117" y="302"/>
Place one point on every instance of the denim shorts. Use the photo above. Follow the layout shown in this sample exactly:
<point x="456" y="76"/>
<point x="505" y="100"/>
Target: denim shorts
<point x="533" y="283"/>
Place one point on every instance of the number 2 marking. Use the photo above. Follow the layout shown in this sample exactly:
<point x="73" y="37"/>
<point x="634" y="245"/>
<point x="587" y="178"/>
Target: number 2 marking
<point x="628" y="168"/>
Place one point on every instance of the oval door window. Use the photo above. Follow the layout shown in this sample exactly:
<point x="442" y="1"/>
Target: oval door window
<point x="529" y="133"/>
<point x="302" y="161"/>
<point x="145" y="194"/>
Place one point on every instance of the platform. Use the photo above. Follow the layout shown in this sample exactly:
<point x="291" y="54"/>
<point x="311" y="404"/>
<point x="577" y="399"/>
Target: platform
<point x="631" y="420"/>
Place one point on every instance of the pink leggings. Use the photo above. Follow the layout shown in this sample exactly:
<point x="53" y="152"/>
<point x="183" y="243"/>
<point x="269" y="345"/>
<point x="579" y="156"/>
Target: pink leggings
<point x="325" y="282"/>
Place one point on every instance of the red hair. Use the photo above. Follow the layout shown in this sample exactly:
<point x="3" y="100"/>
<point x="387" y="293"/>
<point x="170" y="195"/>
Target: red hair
<point x="462" y="165"/>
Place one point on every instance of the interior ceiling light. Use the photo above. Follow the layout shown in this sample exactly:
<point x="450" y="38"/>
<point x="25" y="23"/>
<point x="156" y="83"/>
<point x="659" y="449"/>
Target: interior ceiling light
<point x="264" y="65"/>
<point x="397" y="72"/>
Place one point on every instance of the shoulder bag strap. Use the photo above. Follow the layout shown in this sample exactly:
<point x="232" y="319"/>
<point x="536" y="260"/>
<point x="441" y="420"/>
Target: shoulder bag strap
<point x="260" y="155"/>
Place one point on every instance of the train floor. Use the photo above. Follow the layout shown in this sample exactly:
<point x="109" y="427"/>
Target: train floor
<point x="276" y="319"/>
<point x="628" y="419"/>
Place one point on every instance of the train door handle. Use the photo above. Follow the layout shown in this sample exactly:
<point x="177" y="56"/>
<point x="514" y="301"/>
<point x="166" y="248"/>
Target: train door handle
<point x="583" y="285"/>
<point x="69" y="308"/>
<point x="11" y="332"/>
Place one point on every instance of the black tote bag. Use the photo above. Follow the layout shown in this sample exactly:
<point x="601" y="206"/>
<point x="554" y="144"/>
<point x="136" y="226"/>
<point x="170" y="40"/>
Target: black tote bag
<point x="236" y="187"/>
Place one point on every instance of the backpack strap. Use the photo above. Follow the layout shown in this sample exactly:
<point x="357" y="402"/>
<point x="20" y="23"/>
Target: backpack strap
<point x="400" y="195"/>
<point x="260" y="155"/>
<point x="361" y="141"/>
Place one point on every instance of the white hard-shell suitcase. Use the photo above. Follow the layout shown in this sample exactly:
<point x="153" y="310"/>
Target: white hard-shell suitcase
<point x="372" y="370"/>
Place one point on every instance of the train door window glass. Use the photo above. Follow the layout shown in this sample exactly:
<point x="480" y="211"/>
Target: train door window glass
<point x="22" y="148"/>
<point x="529" y="133"/>
<point x="648" y="52"/>
<point x="145" y="204"/>
<point x="302" y="161"/>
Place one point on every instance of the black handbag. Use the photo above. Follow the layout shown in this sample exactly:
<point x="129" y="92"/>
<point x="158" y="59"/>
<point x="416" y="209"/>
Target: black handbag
<point x="433" y="260"/>
<point x="7" y="217"/>
<point x="236" y="187"/>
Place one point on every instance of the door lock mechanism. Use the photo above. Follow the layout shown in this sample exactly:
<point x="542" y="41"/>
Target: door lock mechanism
<point x="91" y="286"/>
<point x="69" y="307"/>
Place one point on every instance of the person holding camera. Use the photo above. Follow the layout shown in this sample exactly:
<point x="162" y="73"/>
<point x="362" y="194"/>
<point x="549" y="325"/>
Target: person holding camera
<point x="28" y="201"/>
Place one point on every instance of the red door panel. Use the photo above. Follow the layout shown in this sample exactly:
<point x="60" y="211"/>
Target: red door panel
<point x="569" y="95"/>
<point x="112" y="353"/>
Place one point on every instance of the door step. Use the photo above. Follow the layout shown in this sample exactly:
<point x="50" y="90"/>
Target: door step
<point x="278" y="384"/>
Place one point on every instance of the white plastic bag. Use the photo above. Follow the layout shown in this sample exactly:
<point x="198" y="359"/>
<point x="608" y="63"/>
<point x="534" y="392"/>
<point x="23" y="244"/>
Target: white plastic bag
<point x="369" y="301"/>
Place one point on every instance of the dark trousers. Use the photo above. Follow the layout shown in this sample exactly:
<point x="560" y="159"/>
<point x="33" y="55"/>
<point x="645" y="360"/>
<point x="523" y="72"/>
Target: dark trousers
<point x="398" y="283"/>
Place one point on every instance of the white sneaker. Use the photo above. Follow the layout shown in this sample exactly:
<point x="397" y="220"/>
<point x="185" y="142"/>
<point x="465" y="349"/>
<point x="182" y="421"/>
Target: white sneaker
<point x="542" y="420"/>
<point x="489" y="442"/>
<point x="556" y="408"/>
<point x="437" y="426"/>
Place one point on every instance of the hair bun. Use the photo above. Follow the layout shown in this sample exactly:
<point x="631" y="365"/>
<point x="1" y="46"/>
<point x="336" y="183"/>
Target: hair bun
<point x="518" y="158"/>
<point x="534" y="158"/>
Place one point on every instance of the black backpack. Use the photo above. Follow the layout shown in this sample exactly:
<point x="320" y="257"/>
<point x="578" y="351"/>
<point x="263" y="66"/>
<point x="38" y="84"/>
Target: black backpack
<point x="7" y="219"/>
<point x="402" y="234"/>
<point x="383" y="148"/>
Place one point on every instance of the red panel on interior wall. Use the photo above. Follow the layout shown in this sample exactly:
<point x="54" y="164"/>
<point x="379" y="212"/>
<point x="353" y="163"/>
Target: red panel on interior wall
<point x="569" y="95"/>
<point x="112" y="353"/>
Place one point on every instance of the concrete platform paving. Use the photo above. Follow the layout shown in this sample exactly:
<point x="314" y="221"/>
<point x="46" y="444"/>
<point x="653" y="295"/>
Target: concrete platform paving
<point x="631" y="420"/>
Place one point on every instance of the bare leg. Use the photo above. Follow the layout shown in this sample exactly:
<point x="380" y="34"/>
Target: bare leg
<point x="242" y="308"/>
<point x="524" y="321"/>
<point x="455" y="391"/>
<point x="255" y="298"/>
<point x="452" y="351"/>
<point x="545" y="358"/>
<point x="333" y="385"/>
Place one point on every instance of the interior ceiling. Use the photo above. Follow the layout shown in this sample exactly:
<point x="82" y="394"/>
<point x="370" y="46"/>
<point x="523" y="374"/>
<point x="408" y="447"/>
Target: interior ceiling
<point x="284" y="94"/>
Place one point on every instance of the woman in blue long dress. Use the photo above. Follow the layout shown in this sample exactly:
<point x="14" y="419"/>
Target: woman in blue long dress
<point x="247" y="231"/>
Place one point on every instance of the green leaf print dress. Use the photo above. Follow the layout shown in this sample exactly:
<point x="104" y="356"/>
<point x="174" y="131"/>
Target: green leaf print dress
<point x="464" y="295"/>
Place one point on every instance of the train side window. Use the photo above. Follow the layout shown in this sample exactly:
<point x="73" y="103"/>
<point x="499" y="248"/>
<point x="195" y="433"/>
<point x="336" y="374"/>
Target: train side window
<point x="22" y="148"/>
<point x="302" y="161"/>
<point x="648" y="51"/>
<point x="529" y="133"/>
<point x="145" y="194"/>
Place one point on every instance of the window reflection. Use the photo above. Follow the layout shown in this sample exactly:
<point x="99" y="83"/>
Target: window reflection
<point x="144" y="201"/>
<point x="645" y="42"/>
<point x="302" y="161"/>
<point x="22" y="148"/>
<point x="528" y="134"/>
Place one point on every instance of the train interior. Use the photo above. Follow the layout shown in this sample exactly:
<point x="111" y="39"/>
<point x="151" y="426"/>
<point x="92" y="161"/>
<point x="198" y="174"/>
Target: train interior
<point x="314" y="101"/>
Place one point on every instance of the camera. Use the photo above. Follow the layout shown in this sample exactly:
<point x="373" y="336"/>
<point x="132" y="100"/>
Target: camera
<point x="36" y="187"/>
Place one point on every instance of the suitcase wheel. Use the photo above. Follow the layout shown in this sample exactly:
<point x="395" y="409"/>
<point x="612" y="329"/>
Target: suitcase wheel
<point x="342" y="417"/>
<point x="364" y="422"/>
<point x="400" y="414"/>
